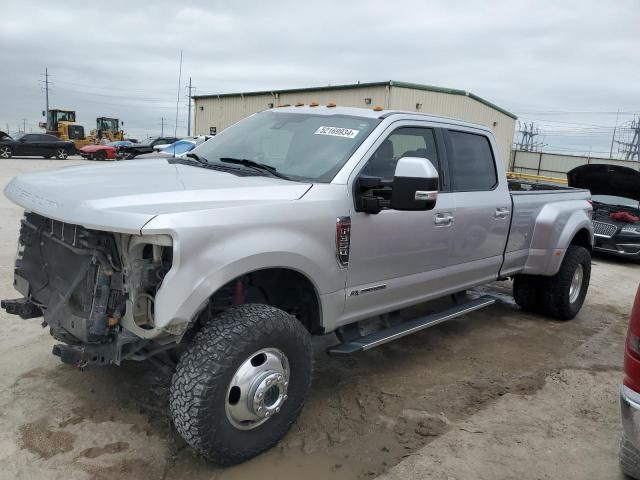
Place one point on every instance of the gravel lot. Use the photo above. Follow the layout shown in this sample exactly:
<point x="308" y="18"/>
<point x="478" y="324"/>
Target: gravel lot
<point x="496" y="394"/>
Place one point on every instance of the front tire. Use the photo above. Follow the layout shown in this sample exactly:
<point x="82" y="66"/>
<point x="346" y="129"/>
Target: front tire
<point x="62" y="154"/>
<point x="242" y="383"/>
<point x="100" y="155"/>
<point x="5" y="152"/>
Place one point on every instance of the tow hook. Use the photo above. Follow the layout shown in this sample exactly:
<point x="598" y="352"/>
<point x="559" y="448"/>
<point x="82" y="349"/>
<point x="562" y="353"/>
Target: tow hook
<point x="22" y="307"/>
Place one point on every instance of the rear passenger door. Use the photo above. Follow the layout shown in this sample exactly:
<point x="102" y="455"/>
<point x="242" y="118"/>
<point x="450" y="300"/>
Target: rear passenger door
<point x="483" y="204"/>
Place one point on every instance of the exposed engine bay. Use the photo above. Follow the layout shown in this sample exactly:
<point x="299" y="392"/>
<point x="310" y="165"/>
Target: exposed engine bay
<point x="85" y="283"/>
<point x="618" y="213"/>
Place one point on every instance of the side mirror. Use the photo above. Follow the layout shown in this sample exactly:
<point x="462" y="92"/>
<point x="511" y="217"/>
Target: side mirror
<point x="415" y="184"/>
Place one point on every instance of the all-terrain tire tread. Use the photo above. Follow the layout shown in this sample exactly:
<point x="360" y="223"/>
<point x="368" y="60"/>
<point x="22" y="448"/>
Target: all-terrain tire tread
<point x="527" y="293"/>
<point x="629" y="459"/>
<point x="555" y="299"/>
<point x="211" y="356"/>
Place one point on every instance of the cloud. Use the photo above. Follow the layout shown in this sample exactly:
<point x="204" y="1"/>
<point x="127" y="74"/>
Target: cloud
<point x="122" y="60"/>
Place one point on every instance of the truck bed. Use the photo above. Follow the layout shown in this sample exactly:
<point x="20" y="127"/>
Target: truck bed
<point x="540" y="213"/>
<point x="529" y="185"/>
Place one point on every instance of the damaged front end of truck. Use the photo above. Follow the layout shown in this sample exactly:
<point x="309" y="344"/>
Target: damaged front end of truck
<point x="88" y="285"/>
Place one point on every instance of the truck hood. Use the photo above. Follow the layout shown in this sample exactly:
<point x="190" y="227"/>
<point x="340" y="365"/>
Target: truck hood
<point x="603" y="179"/>
<point x="124" y="196"/>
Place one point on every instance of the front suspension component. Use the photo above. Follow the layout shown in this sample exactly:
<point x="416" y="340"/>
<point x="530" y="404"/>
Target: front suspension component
<point x="22" y="307"/>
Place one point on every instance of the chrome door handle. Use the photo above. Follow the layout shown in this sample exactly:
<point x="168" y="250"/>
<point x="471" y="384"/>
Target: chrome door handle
<point x="501" y="212"/>
<point x="442" y="219"/>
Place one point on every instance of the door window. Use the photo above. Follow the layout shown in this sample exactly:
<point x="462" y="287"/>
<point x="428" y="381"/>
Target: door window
<point x="471" y="163"/>
<point x="31" y="138"/>
<point x="403" y="142"/>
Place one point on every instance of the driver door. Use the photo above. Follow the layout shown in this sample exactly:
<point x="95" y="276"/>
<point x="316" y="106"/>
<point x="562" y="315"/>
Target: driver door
<point x="398" y="258"/>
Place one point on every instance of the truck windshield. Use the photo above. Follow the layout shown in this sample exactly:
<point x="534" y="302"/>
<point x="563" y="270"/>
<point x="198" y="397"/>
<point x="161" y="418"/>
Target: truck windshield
<point x="299" y="145"/>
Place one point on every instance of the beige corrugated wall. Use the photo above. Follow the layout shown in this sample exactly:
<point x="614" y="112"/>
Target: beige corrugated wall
<point x="460" y="107"/>
<point x="224" y="111"/>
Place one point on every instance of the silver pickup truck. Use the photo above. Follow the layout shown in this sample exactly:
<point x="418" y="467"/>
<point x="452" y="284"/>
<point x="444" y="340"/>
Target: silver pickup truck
<point x="294" y="222"/>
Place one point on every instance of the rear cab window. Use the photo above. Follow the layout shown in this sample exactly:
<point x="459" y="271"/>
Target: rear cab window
<point x="471" y="162"/>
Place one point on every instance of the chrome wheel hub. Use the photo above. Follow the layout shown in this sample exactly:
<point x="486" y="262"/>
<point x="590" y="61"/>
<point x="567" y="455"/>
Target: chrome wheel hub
<point x="576" y="284"/>
<point x="258" y="389"/>
<point x="62" y="153"/>
<point x="5" y="152"/>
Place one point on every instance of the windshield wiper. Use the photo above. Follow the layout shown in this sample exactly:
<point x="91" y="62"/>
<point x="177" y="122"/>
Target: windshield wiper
<point x="196" y="157"/>
<point x="256" y="165"/>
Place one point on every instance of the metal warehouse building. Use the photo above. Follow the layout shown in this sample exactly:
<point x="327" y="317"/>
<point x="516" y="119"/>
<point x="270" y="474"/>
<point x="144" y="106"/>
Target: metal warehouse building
<point x="218" y="111"/>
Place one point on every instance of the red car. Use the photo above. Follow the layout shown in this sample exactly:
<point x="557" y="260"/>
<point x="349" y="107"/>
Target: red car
<point x="98" y="152"/>
<point x="630" y="397"/>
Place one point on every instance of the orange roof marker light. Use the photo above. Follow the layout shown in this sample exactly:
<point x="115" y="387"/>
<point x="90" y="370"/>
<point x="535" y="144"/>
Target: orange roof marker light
<point x="331" y="104"/>
<point x="377" y="108"/>
<point x="300" y="104"/>
<point x="314" y="104"/>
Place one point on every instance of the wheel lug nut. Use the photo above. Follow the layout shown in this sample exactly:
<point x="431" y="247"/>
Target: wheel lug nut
<point x="266" y="414"/>
<point x="260" y="395"/>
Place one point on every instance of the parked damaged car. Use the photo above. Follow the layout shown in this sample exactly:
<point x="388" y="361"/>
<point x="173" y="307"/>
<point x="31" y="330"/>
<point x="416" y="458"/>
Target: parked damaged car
<point x="35" y="145"/>
<point x="99" y="152"/>
<point x="146" y="146"/>
<point x="615" y="193"/>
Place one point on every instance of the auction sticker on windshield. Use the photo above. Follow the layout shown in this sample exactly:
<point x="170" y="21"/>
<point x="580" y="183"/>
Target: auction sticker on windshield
<point x="337" y="132"/>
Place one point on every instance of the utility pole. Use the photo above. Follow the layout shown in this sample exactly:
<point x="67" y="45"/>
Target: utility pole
<point x="46" y="89"/>
<point x="24" y="125"/>
<point x="189" y="109"/>
<point x="613" y="137"/>
<point x="162" y="131"/>
<point x="613" y="140"/>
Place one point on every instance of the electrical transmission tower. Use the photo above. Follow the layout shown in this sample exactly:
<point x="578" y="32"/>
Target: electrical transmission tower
<point x="528" y="133"/>
<point x="631" y="149"/>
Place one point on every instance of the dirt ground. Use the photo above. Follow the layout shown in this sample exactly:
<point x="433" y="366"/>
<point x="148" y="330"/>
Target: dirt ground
<point x="496" y="394"/>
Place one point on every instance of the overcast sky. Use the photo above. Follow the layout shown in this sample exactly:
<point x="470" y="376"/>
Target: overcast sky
<point x="547" y="61"/>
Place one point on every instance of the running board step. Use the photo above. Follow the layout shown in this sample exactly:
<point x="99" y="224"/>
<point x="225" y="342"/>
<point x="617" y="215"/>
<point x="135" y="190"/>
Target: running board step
<point x="398" y="331"/>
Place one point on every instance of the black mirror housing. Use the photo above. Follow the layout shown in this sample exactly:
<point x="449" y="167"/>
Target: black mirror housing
<point x="415" y="185"/>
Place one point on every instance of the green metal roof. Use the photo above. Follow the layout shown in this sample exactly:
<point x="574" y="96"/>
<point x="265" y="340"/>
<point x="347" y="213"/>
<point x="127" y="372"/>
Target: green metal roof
<point x="389" y="83"/>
